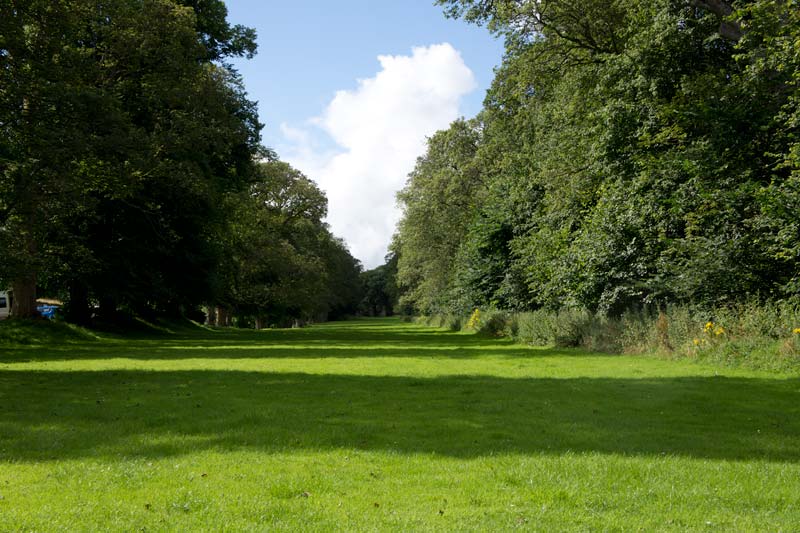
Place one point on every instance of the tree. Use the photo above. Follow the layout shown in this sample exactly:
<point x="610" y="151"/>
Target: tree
<point x="380" y="288"/>
<point x="630" y="153"/>
<point x="122" y="136"/>
<point x="283" y="263"/>
<point x="43" y="103"/>
<point x="438" y="203"/>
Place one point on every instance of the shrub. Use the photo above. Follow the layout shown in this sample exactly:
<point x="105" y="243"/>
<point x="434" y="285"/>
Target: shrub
<point x="495" y="323"/>
<point x="765" y="336"/>
<point x="536" y="328"/>
<point x="453" y="322"/>
<point x="474" y="322"/>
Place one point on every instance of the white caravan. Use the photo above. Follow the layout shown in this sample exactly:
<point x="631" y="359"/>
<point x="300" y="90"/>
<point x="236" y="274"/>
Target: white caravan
<point x="5" y="305"/>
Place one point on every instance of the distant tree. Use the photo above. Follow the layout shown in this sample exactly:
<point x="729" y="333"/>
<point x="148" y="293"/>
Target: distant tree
<point x="438" y="205"/>
<point x="283" y="263"/>
<point x="344" y="288"/>
<point x="380" y="288"/>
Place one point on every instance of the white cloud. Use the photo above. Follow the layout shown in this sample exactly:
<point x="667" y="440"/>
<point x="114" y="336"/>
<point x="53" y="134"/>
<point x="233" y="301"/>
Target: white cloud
<point x="380" y="129"/>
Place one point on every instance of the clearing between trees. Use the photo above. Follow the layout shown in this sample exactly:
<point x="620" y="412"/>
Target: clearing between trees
<point x="384" y="425"/>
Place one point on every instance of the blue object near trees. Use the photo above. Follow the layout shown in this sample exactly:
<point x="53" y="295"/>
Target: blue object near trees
<point x="47" y="311"/>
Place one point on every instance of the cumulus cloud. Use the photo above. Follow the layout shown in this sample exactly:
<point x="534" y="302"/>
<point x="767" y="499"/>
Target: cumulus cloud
<point x="379" y="129"/>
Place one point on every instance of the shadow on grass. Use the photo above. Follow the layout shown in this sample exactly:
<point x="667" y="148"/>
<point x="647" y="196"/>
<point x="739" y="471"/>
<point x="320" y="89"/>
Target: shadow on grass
<point x="62" y="415"/>
<point x="146" y="353"/>
<point x="344" y="340"/>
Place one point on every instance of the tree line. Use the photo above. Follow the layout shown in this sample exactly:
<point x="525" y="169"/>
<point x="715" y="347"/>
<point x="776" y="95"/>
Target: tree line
<point x="629" y="154"/>
<point x="132" y="177"/>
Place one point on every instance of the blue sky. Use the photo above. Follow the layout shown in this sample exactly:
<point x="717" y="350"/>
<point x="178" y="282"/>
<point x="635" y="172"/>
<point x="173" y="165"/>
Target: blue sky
<point x="350" y="121"/>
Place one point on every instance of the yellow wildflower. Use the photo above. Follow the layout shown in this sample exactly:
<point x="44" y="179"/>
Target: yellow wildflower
<point x="475" y="320"/>
<point x="796" y="330"/>
<point x="719" y="330"/>
<point x="696" y="342"/>
<point x="709" y="326"/>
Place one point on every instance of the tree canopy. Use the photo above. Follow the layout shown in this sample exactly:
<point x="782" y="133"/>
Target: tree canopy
<point x="628" y="154"/>
<point x="131" y="171"/>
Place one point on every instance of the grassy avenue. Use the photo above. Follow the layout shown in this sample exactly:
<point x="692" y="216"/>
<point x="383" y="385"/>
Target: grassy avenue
<point x="384" y="425"/>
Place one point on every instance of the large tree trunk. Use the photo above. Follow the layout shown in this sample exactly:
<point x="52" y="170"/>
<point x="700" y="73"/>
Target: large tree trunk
<point x="24" y="283"/>
<point x="78" y="306"/>
<point x="223" y="317"/>
<point x="108" y="308"/>
<point x="24" y="286"/>
<point x="24" y="297"/>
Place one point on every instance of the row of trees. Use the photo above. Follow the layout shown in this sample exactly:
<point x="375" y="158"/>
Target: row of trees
<point x="132" y="175"/>
<point x="628" y="153"/>
<point x="283" y="264"/>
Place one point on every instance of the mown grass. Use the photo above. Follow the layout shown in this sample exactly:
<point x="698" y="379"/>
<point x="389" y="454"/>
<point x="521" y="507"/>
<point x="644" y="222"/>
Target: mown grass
<point x="383" y="425"/>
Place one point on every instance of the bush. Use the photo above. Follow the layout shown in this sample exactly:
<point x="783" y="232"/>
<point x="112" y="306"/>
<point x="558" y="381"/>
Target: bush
<point x="536" y="328"/>
<point x="450" y="321"/>
<point x="495" y="323"/>
<point x="765" y="336"/>
<point x="572" y="328"/>
<point x="453" y="322"/>
<point x="474" y="322"/>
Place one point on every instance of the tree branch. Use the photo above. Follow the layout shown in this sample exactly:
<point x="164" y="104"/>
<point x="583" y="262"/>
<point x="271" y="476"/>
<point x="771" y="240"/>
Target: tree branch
<point x="727" y="28"/>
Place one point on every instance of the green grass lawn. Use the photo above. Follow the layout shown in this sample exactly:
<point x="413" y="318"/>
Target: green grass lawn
<point x="384" y="425"/>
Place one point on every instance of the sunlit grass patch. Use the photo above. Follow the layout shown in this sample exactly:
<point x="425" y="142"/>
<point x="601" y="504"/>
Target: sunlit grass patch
<point x="384" y="425"/>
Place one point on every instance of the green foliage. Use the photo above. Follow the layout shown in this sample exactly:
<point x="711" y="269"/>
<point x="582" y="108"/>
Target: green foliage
<point x="756" y="335"/>
<point x="450" y="322"/>
<point x="495" y="323"/>
<point x="630" y="154"/>
<point x="749" y="334"/>
<point x="565" y="328"/>
<point x="282" y="262"/>
<point x="379" y="287"/>
<point x="437" y="203"/>
<point x="128" y="175"/>
<point x="121" y="137"/>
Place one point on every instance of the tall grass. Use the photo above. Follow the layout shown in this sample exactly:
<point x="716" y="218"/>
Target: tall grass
<point x="753" y="335"/>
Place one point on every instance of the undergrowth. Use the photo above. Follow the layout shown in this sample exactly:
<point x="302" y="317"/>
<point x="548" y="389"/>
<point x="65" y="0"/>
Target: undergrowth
<point x="759" y="336"/>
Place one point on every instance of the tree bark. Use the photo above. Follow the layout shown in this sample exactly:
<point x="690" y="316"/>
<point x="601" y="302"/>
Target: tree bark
<point x="223" y="317"/>
<point x="728" y="29"/>
<point x="24" y="284"/>
<point x="24" y="297"/>
<point x="211" y="315"/>
<point x="108" y="307"/>
<point x="78" y="306"/>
